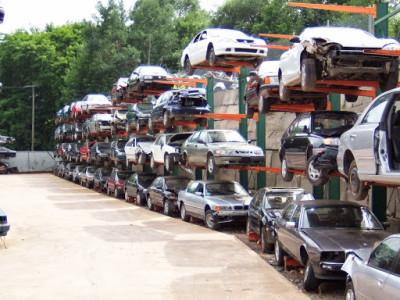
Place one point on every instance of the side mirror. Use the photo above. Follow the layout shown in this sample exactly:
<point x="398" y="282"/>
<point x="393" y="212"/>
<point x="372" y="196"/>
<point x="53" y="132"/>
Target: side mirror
<point x="295" y="39"/>
<point x="198" y="193"/>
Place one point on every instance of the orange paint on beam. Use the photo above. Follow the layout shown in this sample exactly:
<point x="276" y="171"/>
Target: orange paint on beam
<point x="279" y="47"/>
<point x="277" y="36"/>
<point x="382" y="52"/>
<point x="342" y="8"/>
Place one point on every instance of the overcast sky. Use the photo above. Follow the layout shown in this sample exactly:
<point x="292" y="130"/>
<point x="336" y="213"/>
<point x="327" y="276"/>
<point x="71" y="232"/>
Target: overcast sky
<point x="26" y="14"/>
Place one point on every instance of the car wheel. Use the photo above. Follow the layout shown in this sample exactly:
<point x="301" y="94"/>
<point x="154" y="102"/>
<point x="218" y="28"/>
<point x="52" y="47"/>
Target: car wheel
<point x="141" y="159"/>
<point x="316" y="176"/>
<point x="265" y="246"/>
<point x="210" y="221"/>
<point x="284" y="92"/>
<point x="153" y="164"/>
<point x="168" y="207"/>
<point x="258" y="61"/>
<point x="286" y="175"/>
<point x="141" y="199"/>
<point x="263" y="105"/>
<point x="310" y="282"/>
<point x="87" y="184"/>
<point x="166" y="120"/>
<point x="184" y="216"/>
<point x="278" y="254"/>
<point x="189" y="70"/>
<point x="212" y="167"/>
<point x="203" y="123"/>
<point x="358" y="188"/>
<point x="349" y="293"/>
<point x="249" y="111"/>
<point x="389" y="81"/>
<point x="350" y="98"/>
<point x="212" y="59"/>
<point x="116" y="195"/>
<point x="168" y="162"/>
<point x="150" y="204"/>
<point x="308" y="75"/>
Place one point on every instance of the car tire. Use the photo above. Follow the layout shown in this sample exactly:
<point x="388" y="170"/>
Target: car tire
<point x="249" y="111"/>
<point x="150" y="204"/>
<point x="210" y="221"/>
<point x="310" y="282"/>
<point x="184" y="216"/>
<point x="308" y="75"/>
<point x="141" y="159"/>
<point x="189" y="70"/>
<point x="389" y="81"/>
<point x="168" y="162"/>
<point x="316" y="177"/>
<point x="263" y="105"/>
<point x="212" y="167"/>
<point x="168" y="207"/>
<point x="212" y="59"/>
<point x="286" y="175"/>
<point x="140" y="199"/>
<point x="349" y="293"/>
<point x="284" y="93"/>
<point x="87" y="184"/>
<point x="279" y="253"/>
<point x="358" y="189"/>
<point x="153" y="164"/>
<point x="166" y="120"/>
<point x="265" y="246"/>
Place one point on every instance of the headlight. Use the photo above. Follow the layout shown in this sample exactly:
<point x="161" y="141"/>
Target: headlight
<point x="147" y="77"/>
<point x="258" y="152"/>
<point x="219" y="208"/>
<point x="221" y="152"/>
<point x="331" y="141"/>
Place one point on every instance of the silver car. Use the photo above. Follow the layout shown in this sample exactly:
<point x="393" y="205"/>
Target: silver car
<point x="215" y="148"/>
<point x="214" y="201"/>
<point x="374" y="274"/>
<point x="138" y="148"/>
<point x="370" y="150"/>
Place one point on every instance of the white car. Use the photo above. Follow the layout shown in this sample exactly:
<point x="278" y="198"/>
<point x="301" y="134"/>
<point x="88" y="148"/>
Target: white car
<point x="138" y="148"/>
<point x="99" y="123"/>
<point x="166" y="149"/>
<point x="369" y="152"/>
<point x="95" y="102"/>
<point x="337" y="53"/>
<point x="220" y="45"/>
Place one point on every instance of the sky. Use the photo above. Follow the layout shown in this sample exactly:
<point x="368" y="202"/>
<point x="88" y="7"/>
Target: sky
<point x="27" y="14"/>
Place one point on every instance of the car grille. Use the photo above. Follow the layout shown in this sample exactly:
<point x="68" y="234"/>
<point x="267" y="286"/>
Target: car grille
<point x="333" y="256"/>
<point x="245" y="41"/>
<point x="246" y="50"/>
<point x="105" y="123"/>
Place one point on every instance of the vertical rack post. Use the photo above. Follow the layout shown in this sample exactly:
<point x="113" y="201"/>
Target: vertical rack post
<point x="261" y="176"/>
<point x="210" y="101"/>
<point x="334" y="182"/>
<point x="244" y="179"/>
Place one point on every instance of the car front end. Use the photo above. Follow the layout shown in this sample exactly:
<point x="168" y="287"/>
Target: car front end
<point x="242" y="48"/>
<point x="239" y="155"/>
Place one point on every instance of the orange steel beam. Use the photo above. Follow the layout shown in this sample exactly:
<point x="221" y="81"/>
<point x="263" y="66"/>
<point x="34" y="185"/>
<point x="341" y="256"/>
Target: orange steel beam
<point x="239" y="63"/>
<point x="342" y="8"/>
<point x="192" y="84"/>
<point x="374" y="84"/>
<point x="152" y="92"/>
<point x="293" y="107"/>
<point x="277" y="36"/>
<point x="233" y="69"/>
<point x="382" y="52"/>
<point x="369" y="93"/>
<point x="279" y="47"/>
<point x="232" y="117"/>
<point x="183" y="123"/>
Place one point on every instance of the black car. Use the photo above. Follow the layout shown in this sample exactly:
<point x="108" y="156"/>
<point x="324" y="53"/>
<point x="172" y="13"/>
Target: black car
<point x="318" y="233"/>
<point x="144" y="80"/>
<point x="180" y="105"/>
<point x="265" y="207"/>
<point x="163" y="192"/>
<point x="86" y="177"/>
<point x="100" y="177"/>
<point x="136" y="186"/>
<point x="308" y="132"/>
<point x="138" y="116"/>
<point x="100" y="151"/>
<point x="117" y="153"/>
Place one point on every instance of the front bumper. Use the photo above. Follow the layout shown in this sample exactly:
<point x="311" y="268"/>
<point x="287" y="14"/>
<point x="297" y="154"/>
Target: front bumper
<point x="329" y="270"/>
<point x="239" y="160"/>
<point x="325" y="158"/>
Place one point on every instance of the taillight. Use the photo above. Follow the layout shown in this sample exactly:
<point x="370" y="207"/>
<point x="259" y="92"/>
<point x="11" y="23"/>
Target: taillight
<point x="267" y="80"/>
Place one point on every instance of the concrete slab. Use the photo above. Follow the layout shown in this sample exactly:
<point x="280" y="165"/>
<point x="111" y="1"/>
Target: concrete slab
<point x="68" y="242"/>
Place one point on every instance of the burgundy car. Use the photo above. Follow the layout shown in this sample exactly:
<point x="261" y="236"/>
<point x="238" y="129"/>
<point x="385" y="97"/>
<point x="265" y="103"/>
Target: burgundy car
<point x="116" y="182"/>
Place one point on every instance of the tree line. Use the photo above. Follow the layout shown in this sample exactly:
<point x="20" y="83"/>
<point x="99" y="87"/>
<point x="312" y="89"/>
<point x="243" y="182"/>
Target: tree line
<point x="65" y="63"/>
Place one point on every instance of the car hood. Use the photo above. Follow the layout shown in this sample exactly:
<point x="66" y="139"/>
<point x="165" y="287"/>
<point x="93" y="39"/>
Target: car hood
<point x="230" y="200"/>
<point x="238" y="146"/>
<point x="344" y="239"/>
<point x="146" y="146"/>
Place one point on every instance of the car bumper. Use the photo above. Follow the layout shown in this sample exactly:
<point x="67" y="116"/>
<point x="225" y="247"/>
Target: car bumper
<point x="269" y="90"/>
<point x="325" y="158"/>
<point x="233" y="50"/>
<point x="329" y="271"/>
<point x="188" y="112"/>
<point x="239" y="160"/>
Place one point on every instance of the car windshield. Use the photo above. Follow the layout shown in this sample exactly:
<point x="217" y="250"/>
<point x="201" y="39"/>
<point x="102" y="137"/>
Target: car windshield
<point x="121" y="144"/>
<point x="145" y="139"/>
<point x="91" y="170"/>
<point x="226" y="136"/>
<point x="145" y="106"/>
<point x="106" y="172"/>
<point x="278" y="200"/>
<point x="179" y="183"/>
<point x="333" y="124"/>
<point x="104" y="145"/>
<point x="146" y="180"/>
<point x="340" y="217"/>
<point x="233" y="34"/>
<point x="225" y="188"/>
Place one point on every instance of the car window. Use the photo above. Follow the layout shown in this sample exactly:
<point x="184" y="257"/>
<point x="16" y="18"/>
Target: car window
<point x="278" y="200"/>
<point x="375" y="112"/>
<point x="146" y="179"/>
<point x="288" y="212"/>
<point x="396" y="269"/>
<point x="257" y="200"/>
<point x="225" y="136"/>
<point x="296" y="216"/>
<point x="195" y="137"/>
<point x="383" y="257"/>
<point x="192" y="188"/>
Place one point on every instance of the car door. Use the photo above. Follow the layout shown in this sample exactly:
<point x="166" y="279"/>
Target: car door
<point x="129" y="149"/>
<point x="157" y="149"/>
<point x="157" y="112"/>
<point x="111" y="181"/>
<point x="374" y="277"/>
<point x="289" y="64"/>
<point x="363" y="138"/>
<point x="194" y="49"/>
<point x="188" y="197"/>
<point x="255" y="211"/>
<point x="190" y="147"/>
<point x="200" y="149"/>
<point x="286" y="228"/>
<point x="392" y="285"/>
<point x="156" y="191"/>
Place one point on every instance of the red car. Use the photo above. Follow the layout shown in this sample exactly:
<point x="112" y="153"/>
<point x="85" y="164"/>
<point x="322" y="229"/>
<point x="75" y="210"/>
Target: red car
<point x="116" y="182"/>
<point x="85" y="152"/>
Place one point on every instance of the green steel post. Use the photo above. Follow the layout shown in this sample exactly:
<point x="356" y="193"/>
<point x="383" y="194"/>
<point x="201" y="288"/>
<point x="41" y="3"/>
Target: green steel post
<point x="261" y="176"/>
<point x="379" y="193"/>
<point x="210" y="101"/>
<point x="244" y="178"/>
<point x="334" y="182"/>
